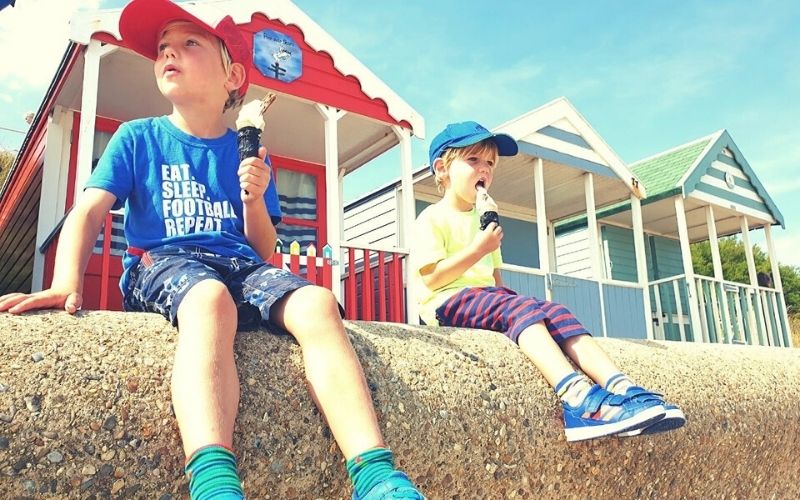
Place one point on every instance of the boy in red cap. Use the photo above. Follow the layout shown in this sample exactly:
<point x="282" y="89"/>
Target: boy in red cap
<point x="456" y="272"/>
<point x="199" y="232"/>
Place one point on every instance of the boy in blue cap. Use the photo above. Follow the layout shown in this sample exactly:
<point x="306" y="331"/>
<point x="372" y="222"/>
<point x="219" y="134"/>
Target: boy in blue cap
<point x="456" y="272"/>
<point x="198" y="256"/>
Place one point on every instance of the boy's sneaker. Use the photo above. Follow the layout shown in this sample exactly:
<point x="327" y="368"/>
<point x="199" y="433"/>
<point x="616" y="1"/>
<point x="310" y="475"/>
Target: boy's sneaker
<point x="673" y="416"/>
<point x="603" y="413"/>
<point x="397" y="485"/>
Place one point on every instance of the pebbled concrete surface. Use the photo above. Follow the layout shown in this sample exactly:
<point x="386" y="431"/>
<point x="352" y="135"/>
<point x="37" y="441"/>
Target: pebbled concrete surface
<point x="85" y="413"/>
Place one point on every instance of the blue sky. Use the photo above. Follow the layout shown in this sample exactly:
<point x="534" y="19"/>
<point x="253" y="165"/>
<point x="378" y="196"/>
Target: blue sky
<point x="647" y="75"/>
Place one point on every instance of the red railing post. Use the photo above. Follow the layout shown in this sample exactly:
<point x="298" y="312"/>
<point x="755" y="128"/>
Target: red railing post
<point x="311" y="269"/>
<point x="106" y="263"/>
<point x="381" y="287"/>
<point x="367" y="306"/>
<point x="393" y="297"/>
<point x="294" y="264"/>
<point x="400" y="291"/>
<point x="350" y="306"/>
<point x="327" y="274"/>
<point x="277" y="260"/>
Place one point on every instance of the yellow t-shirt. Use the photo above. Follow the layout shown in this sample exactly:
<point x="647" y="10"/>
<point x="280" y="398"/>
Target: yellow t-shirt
<point x="439" y="232"/>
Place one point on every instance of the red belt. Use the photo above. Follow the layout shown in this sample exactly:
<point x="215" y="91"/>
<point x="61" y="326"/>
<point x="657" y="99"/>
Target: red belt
<point x="136" y="251"/>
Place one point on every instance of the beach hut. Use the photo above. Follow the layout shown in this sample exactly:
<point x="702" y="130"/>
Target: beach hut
<point x="699" y="191"/>
<point x="332" y="116"/>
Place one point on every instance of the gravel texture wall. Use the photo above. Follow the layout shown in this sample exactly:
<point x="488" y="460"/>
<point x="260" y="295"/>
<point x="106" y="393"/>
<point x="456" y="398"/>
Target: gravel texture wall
<point x="85" y="413"/>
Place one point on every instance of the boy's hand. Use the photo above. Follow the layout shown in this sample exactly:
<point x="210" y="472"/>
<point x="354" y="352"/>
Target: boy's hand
<point x="17" y="303"/>
<point x="254" y="176"/>
<point x="488" y="240"/>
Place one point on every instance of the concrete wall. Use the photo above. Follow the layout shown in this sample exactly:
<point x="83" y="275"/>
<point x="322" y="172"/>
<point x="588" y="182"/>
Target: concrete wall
<point x="85" y="413"/>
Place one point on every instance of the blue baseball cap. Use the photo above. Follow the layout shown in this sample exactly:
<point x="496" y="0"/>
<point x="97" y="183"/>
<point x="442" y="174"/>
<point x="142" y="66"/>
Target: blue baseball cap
<point x="462" y="134"/>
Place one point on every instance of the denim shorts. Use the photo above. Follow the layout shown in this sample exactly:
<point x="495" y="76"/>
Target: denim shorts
<point x="164" y="275"/>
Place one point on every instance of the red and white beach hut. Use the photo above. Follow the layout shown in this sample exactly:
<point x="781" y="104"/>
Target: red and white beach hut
<point x="332" y="116"/>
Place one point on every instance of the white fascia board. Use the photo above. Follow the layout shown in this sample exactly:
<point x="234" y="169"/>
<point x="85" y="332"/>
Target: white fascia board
<point x="559" y="109"/>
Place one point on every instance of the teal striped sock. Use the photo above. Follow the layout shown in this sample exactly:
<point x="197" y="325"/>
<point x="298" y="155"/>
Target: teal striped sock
<point x="369" y="468"/>
<point x="212" y="474"/>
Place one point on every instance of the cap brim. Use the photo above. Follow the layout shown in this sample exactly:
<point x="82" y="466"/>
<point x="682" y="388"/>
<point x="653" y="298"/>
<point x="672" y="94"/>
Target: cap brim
<point x="141" y="22"/>
<point x="506" y="145"/>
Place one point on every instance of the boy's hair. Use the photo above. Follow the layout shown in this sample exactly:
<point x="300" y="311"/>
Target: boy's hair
<point x="235" y="97"/>
<point x="452" y="154"/>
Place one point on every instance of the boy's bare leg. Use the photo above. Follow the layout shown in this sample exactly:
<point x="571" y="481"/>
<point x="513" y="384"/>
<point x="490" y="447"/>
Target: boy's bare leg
<point x="591" y="359"/>
<point x="537" y="343"/>
<point x="332" y="369"/>
<point x="205" y="385"/>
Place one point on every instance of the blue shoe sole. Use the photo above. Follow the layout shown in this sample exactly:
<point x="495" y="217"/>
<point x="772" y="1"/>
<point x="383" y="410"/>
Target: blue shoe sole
<point x="642" y="419"/>
<point x="673" y="419"/>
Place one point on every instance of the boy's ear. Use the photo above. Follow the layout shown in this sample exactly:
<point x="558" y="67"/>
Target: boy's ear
<point x="236" y="77"/>
<point x="438" y="166"/>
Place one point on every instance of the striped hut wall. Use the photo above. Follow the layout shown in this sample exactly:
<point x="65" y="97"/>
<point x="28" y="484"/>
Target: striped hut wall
<point x="374" y="222"/>
<point x="713" y="186"/>
<point x="562" y="142"/>
<point x="572" y="254"/>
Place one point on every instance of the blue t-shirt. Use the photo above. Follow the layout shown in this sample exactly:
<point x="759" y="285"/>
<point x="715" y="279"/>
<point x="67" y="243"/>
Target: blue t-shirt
<point x="177" y="189"/>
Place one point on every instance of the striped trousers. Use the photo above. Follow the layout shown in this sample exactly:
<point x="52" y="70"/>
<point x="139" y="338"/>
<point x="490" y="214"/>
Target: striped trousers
<point x="502" y="310"/>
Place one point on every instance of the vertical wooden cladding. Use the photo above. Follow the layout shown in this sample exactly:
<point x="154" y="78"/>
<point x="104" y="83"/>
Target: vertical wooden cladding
<point x="320" y="82"/>
<point x="19" y="205"/>
<point x="19" y="210"/>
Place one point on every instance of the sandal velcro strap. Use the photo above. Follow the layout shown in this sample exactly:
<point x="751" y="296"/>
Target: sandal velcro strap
<point x="640" y="393"/>
<point x="598" y="397"/>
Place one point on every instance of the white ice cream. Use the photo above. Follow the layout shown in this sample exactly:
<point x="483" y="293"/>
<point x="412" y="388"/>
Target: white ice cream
<point x="483" y="202"/>
<point x="251" y="115"/>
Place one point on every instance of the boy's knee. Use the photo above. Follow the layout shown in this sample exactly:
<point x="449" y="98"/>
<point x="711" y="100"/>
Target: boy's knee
<point x="310" y="305"/>
<point x="208" y="295"/>
<point x="315" y="298"/>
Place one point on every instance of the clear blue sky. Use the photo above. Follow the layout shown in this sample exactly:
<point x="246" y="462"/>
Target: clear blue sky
<point x="647" y="75"/>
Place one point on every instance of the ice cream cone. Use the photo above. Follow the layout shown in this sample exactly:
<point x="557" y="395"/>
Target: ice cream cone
<point x="249" y="126"/>
<point x="248" y="140"/>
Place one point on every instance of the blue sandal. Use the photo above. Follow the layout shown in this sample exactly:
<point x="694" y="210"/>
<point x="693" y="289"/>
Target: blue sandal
<point x="603" y="414"/>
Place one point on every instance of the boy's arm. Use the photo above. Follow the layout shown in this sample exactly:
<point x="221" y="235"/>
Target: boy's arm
<point x="447" y="270"/>
<point x="254" y="177"/>
<point x="498" y="278"/>
<point x="75" y="243"/>
<point x="258" y="229"/>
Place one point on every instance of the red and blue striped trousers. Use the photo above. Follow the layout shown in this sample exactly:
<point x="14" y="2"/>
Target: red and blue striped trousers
<point x="502" y="310"/>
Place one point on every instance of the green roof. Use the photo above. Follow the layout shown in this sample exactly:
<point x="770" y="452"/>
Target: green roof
<point x="658" y="174"/>
<point x="661" y="177"/>
<point x="661" y="173"/>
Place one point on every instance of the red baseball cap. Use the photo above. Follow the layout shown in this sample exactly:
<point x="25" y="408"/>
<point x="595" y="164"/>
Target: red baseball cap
<point x="142" y="21"/>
